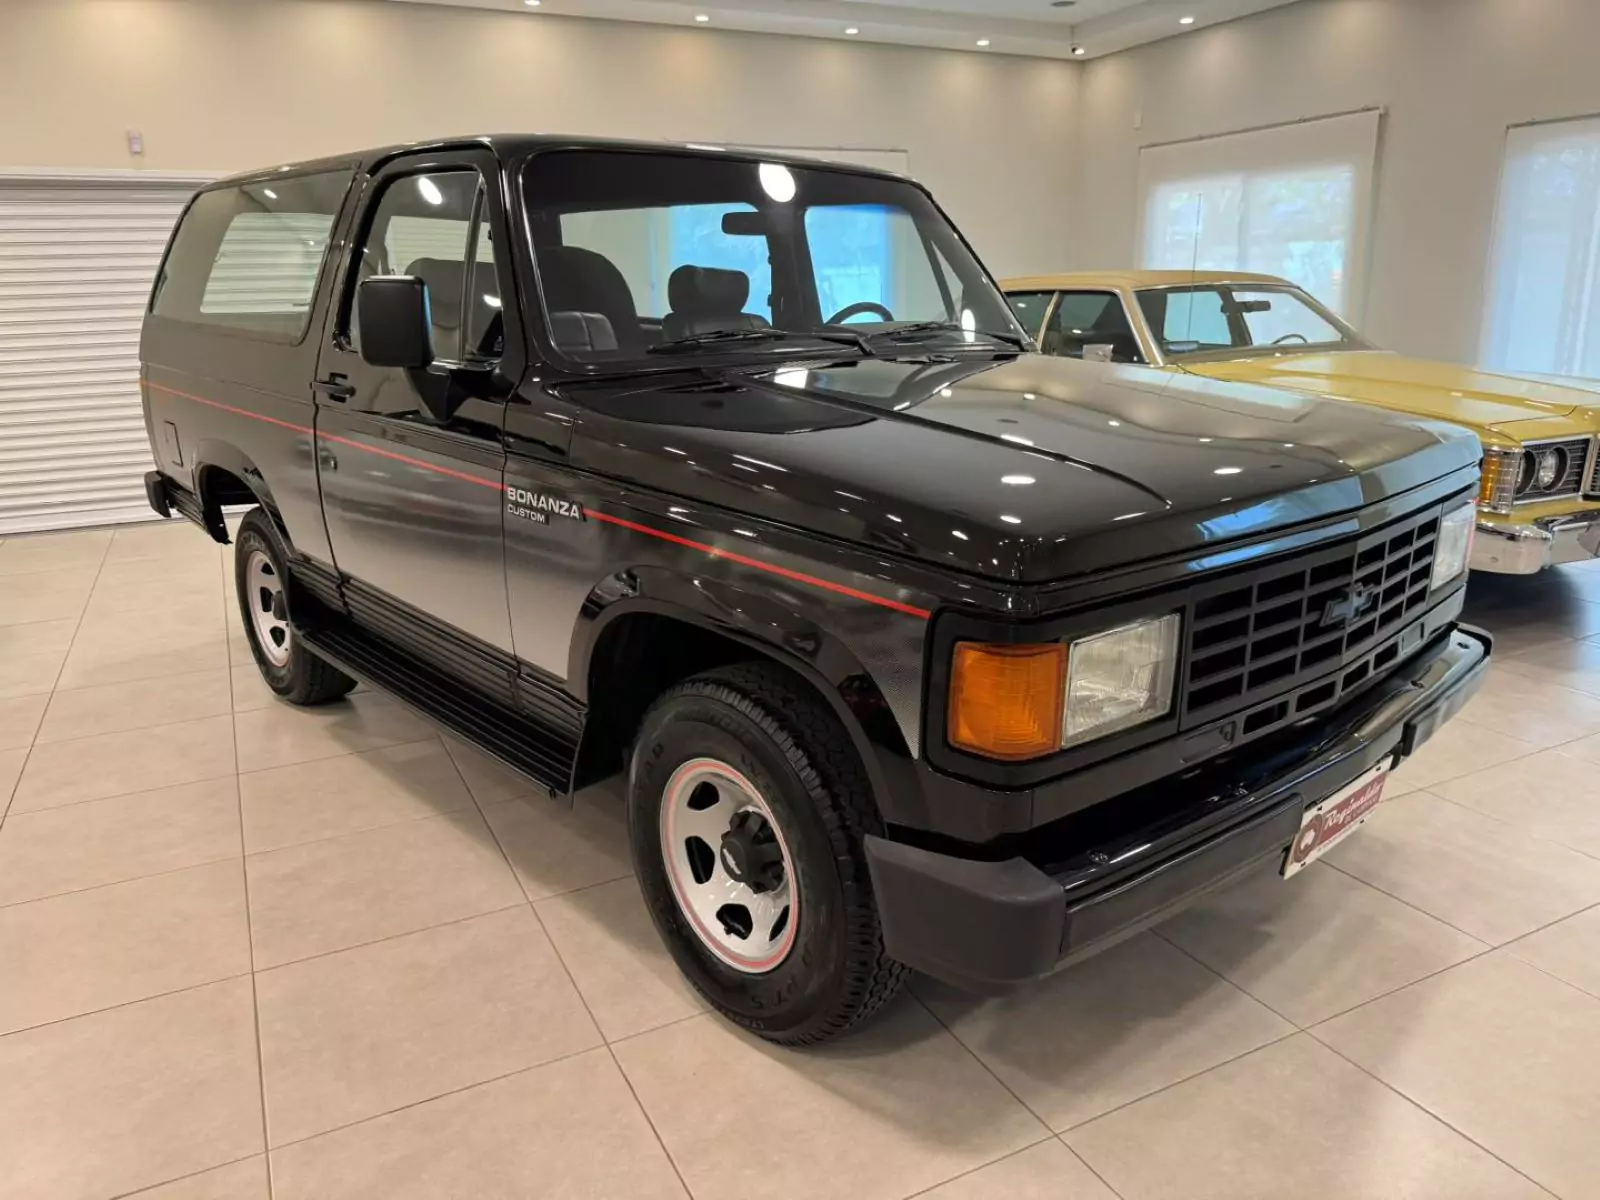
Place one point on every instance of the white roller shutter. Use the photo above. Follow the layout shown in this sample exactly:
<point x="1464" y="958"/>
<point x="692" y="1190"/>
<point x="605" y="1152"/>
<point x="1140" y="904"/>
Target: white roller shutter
<point x="76" y="261"/>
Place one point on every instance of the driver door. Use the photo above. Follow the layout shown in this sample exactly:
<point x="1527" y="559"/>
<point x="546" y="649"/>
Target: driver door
<point x="412" y="486"/>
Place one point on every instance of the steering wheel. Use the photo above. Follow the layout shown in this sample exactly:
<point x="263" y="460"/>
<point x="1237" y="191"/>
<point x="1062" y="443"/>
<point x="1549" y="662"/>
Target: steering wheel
<point x="1287" y="336"/>
<point x="855" y="310"/>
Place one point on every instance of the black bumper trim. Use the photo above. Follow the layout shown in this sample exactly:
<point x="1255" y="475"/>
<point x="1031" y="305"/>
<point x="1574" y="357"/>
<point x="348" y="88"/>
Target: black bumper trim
<point x="985" y="924"/>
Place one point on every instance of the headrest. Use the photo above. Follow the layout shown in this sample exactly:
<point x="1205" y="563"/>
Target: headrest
<point x="707" y="291"/>
<point x="582" y="331"/>
<point x="443" y="277"/>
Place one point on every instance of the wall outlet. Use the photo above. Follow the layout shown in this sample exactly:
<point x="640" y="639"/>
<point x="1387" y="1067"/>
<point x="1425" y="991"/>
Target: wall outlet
<point x="135" y="142"/>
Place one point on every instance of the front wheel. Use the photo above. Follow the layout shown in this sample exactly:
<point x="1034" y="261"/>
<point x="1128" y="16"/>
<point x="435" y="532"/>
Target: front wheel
<point x="262" y="578"/>
<point x="747" y="805"/>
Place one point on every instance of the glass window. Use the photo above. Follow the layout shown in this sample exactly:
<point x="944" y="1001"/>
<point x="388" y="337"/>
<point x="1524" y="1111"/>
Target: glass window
<point x="686" y="253"/>
<point x="249" y="257"/>
<point x="424" y="226"/>
<point x="1544" y="299"/>
<point x="1240" y="319"/>
<point x="1091" y="325"/>
<point x="1030" y="308"/>
<point x="1297" y="224"/>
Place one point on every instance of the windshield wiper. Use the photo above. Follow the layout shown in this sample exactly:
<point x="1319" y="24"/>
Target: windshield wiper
<point x="913" y="331"/>
<point x="722" y="337"/>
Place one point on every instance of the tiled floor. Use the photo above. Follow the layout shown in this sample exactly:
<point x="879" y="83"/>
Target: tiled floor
<point x="245" y="947"/>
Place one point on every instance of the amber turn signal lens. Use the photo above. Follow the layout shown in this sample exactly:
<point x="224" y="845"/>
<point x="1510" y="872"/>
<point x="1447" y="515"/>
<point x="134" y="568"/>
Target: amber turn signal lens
<point x="1005" y="701"/>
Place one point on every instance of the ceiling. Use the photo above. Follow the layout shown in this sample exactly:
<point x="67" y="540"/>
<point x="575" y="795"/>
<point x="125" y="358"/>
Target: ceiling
<point x="1038" y="28"/>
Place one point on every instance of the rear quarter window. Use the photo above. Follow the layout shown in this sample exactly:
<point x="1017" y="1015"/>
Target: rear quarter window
<point x="248" y="258"/>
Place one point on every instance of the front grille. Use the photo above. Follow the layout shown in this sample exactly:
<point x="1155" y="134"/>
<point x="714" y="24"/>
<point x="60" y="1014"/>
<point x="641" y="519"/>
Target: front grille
<point x="1576" y="451"/>
<point x="1262" y="635"/>
<point x="1594" y="478"/>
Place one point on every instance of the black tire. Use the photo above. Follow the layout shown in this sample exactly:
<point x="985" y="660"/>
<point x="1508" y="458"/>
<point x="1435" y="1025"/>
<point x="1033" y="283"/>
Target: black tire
<point x="304" y="678"/>
<point x="767" y="724"/>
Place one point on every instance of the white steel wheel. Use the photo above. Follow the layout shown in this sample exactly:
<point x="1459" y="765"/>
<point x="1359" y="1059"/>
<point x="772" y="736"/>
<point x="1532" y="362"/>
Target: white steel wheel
<point x="266" y="602"/>
<point x="729" y="866"/>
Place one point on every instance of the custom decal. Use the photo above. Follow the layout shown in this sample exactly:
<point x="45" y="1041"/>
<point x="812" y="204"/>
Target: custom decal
<point x="540" y="507"/>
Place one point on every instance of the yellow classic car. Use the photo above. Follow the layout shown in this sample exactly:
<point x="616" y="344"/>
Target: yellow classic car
<point x="1540" y="503"/>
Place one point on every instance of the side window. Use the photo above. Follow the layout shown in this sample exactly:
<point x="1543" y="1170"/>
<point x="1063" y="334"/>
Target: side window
<point x="433" y="226"/>
<point x="1092" y="325"/>
<point x="248" y="257"/>
<point x="1188" y="321"/>
<point x="1030" y="309"/>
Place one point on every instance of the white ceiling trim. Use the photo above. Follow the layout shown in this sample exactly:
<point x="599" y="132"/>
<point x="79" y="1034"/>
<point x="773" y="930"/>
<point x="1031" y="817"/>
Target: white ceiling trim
<point x="1106" y="27"/>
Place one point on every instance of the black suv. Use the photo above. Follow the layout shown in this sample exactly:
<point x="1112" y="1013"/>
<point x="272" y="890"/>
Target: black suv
<point x="919" y="650"/>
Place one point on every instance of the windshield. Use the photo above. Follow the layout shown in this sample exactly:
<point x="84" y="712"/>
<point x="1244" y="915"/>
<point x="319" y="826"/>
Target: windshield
<point x="1228" y="320"/>
<point x="644" y="253"/>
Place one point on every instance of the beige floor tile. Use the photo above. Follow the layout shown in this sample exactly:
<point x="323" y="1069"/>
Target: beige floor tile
<point x="138" y="587"/>
<point x="283" y="734"/>
<point x="10" y="770"/>
<point x="1503" y="1052"/>
<point x="19" y="721"/>
<point x="54" y="551"/>
<point x="106" y="653"/>
<point x="119" y="1100"/>
<point x="490" y="781"/>
<point x="1574" y="665"/>
<point x="307" y="801"/>
<point x="350" y="1035"/>
<point x="114" y="707"/>
<point x="58" y="850"/>
<point x="569" y="1130"/>
<point x="606" y="938"/>
<point x="557" y="848"/>
<point x="1552" y="795"/>
<point x="1569" y="950"/>
<point x="1317" y="944"/>
<point x="1290" y="1120"/>
<point x="45" y="596"/>
<point x="1460" y="749"/>
<point x="1048" y="1171"/>
<point x="38" y="637"/>
<point x="25" y="673"/>
<point x="90" y="950"/>
<point x="345" y="891"/>
<point x="898" y="1107"/>
<point x="239" y="652"/>
<point x="1481" y="875"/>
<point x="1531" y="711"/>
<point x="163" y="541"/>
<point x="137" y="760"/>
<point x="244" y="1180"/>
<point x="1125" y="1023"/>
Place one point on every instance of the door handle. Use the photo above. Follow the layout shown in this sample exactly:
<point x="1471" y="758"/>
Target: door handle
<point x="334" y="388"/>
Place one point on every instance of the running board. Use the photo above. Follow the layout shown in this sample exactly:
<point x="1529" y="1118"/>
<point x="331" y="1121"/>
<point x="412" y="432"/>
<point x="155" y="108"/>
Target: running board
<point x="542" y="752"/>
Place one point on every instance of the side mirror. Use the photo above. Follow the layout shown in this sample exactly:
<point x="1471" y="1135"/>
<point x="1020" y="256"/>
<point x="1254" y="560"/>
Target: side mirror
<point x="393" y="321"/>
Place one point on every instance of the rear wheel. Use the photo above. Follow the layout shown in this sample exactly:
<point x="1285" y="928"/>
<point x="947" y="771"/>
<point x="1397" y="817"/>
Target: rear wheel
<point x="747" y="805"/>
<point x="262" y="579"/>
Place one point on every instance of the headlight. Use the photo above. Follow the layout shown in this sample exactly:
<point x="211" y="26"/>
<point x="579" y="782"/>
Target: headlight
<point x="1120" y="678"/>
<point x="1453" y="546"/>
<point x="1018" y="702"/>
<point x="1502" y="472"/>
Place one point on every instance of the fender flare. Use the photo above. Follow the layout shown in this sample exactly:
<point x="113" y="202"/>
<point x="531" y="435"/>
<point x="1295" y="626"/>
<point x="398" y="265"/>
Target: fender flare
<point x="771" y="631"/>
<point x="214" y="453"/>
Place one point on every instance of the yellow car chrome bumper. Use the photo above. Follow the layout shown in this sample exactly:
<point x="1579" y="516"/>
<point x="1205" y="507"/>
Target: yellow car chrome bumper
<point x="1513" y="548"/>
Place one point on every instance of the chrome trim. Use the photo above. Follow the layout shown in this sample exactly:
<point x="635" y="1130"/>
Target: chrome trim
<point x="1508" y="548"/>
<point x="1588" y="468"/>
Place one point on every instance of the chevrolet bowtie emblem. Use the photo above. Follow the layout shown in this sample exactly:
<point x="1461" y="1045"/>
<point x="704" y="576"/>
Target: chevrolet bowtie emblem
<point x="1349" y="606"/>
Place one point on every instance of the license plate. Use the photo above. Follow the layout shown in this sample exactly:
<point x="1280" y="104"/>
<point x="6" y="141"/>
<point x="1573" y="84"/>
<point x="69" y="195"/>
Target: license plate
<point x="1327" y="824"/>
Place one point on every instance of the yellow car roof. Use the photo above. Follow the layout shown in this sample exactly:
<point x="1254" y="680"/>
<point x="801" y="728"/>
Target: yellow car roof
<point x="1132" y="279"/>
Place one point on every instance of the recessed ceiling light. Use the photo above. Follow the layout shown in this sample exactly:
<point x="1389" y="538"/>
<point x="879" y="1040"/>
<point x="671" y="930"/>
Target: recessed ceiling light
<point x="533" y="3"/>
<point x="701" y="17"/>
<point x="852" y="31"/>
<point x="983" y="41"/>
<point x="1078" y="51"/>
<point x="1185" y="20"/>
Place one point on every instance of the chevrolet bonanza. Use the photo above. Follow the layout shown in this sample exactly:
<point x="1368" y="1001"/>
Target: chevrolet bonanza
<point x="919" y="650"/>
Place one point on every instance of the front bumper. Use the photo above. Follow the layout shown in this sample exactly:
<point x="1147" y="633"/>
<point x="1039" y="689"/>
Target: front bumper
<point x="986" y="924"/>
<point x="1508" y="548"/>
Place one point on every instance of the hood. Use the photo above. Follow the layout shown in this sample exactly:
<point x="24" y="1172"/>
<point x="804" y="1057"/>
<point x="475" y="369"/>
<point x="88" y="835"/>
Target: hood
<point x="1026" y="470"/>
<point x="1516" y="407"/>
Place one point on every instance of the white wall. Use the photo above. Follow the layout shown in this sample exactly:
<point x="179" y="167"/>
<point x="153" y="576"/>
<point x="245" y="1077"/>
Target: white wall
<point x="228" y="84"/>
<point x="1452" y="76"/>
